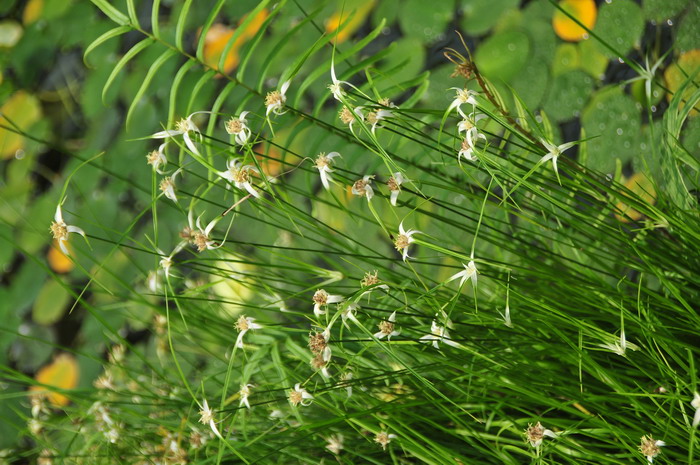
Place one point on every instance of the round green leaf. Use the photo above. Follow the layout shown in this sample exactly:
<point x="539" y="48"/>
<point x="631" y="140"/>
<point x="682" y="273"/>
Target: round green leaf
<point x="620" y="25"/>
<point x="422" y="20"/>
<point x="568" y="94"/>
<point x="50" y="303"/>
<point x="614" y="120"/>
<point x="501" y="56"/>
<point x="481" y="15"/>
<point x="661" y="10"/>
<point x="566" y="58"/>
<point x="688" y="37"/>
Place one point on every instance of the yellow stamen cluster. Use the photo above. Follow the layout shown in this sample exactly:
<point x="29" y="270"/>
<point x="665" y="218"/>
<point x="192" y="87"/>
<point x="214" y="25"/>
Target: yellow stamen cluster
<point x="234" y="126"/>
<point x="241" y="175"/>
<point x="242" y="323"/>
<point x="59" y="231"/>
<point x="295" y="397"/>
<point x="372" y="117"/>
<point x="382" y="439"/>
<point x="370" y="279"/>
<point x="386" y="327"/>
<point x="321" y="161"/>
<point x="274" y="98"/>
<point x="183" y="125"/>
<point x="402" y="241"/>
<point x="153" y="158"/>
<point x="200" y="240"/>
<point x="346" y="116"/>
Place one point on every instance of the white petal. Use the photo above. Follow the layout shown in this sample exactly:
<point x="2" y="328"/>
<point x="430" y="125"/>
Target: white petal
<point x="75" y="229"/>
<point x="188" y="142"/>
<point x="251" y="190"/>
<point x="393" y="197"/>
<point x="62" y="245"/>
<point x="58" y="216"/>
<point x="165" y="134"/>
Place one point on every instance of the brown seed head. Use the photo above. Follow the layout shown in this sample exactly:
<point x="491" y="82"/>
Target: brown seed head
<point x="649" y="447"/>
<point x="317" y="363"/>
<point x="320" y="297"/>
<point x="200" y="241"/>
<point x="317" y="343"/>
<point x="535" y="433"/>
<point x="360" y="187"/>
<point x="393" y="185"/>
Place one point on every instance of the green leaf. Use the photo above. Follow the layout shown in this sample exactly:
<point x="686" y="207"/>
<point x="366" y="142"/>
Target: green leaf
<point x="503" y="55"/>
<point x="135" y="50"/>
<point x="661" y="10"/>
<point x="620" y="25"/>
<point x="568" y="94"/>
<point x="614" y="120"/>
<point x="111" y="12"/>
<point x="180" y="27"/>
<point x="165" y="56"/>
<point x="117" y="31"/>
<point x="481" y="15"/>
<point x="50" y="303"/>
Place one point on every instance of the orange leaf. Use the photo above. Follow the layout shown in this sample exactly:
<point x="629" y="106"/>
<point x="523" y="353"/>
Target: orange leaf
<point x="566" y="28"/>
<point x="644" y="189"/>
<point x="218" y="37"/>
<point x="58" y="261"/>
<point x="62" y="373"/>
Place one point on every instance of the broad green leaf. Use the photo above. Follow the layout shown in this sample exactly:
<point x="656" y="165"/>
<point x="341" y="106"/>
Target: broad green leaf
<point x="620" y="25"/>
<point x="50" y="303"/>
<point x="503" y="55"/>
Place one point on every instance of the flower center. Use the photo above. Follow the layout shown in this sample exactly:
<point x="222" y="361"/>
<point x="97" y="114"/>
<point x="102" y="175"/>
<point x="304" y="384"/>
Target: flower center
<point x="59" y="230"/>
<point x="183" y="125"/>
<point x="322" y="161"/>
<point x="346" y="116"/>
<point x="320" y="297"/>
<point x="242" y="323"/>
<point x="241" y="175"/>
<point x="370" y="279"/>
<point x="274" y="98"/>
<point x="234" y="126"/>
<point x="317" y="343"/>
<point x="166" y="184"/>
<point x="535" y="433"/>
<point x="393" y="184"/>
<point x="402" y="242"/>
<point x="200" y="240"/>
<point x="466" y="145"/>
<point x="360" y="187"/>
<point x="295" y="397"/>
<point x="154" y="158"/>
<point x="372" y="117"/>
<point x="386" y="327"/>
<point x="317" y="363"/>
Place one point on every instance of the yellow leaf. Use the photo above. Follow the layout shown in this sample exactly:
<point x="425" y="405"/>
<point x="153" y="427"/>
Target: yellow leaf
<point x="21" y="110"/>
<point x="58" y="261"/>
<point x="334" y="21"/>
<point x="32" y="11"/>
<point x="676" y="74"/>
<point x="640" y="185"/>
<point x="219" y="35"/>
<point x="566" y="28"/>
<point x="62" y="373"/>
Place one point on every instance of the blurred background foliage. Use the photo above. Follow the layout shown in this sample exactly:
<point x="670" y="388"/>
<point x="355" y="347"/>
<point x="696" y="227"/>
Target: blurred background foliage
<point x="56" y="99"/>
